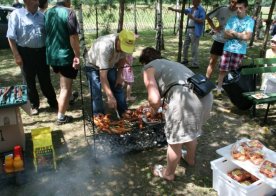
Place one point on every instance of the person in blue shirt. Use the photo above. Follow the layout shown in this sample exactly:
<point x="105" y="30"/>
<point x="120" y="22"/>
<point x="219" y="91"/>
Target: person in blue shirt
<point x="196" y="17"/>
<point x="238" y="31"/>
<point x="26" y="36"/>
<point x="222" y="14"/>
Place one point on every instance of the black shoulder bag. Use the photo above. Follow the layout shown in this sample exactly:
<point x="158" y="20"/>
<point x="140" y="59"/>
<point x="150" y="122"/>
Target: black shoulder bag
<point x="201" y="85"/>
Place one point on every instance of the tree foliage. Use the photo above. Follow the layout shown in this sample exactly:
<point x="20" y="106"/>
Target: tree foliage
<point x="6" y="2"/>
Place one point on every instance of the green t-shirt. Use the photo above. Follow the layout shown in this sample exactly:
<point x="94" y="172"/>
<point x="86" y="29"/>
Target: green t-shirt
<point x="60" y="23"/>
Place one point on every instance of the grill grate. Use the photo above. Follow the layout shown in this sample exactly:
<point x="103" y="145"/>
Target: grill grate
<point x="104" y="144"/>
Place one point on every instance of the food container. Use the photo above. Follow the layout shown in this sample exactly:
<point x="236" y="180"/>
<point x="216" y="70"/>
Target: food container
<point x="248" y="165"/>
<point x="226" y="186"/>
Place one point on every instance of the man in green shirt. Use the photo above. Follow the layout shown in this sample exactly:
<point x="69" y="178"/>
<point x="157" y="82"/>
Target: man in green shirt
<point x="63" y="51"/>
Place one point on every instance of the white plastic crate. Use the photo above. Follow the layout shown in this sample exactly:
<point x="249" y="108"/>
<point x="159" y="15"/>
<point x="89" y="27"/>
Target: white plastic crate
<point x="226" y="186"/>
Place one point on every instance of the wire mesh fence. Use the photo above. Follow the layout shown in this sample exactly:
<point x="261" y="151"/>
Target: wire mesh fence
<point x="107" y="18"/>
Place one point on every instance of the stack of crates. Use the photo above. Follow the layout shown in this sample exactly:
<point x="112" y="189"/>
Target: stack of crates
<point x="43" y="150"/>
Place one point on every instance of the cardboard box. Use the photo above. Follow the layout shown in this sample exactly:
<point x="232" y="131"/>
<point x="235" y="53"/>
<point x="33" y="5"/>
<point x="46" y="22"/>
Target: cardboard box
<point x="226" y="186"/>
<point x="12" y="132"/>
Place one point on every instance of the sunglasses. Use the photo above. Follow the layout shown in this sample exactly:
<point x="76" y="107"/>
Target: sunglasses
<point x="272" y="41"/>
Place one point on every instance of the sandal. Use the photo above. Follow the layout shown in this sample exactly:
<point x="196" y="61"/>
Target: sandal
<point x="157" y="170"/>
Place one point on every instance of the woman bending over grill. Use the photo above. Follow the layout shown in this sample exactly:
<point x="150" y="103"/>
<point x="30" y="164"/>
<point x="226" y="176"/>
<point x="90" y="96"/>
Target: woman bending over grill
<point x="184" y="112"/>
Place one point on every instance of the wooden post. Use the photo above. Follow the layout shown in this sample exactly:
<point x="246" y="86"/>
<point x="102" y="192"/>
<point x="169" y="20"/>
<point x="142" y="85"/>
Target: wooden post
<point x="181" y="32"/>
<point x="269" y="20"/>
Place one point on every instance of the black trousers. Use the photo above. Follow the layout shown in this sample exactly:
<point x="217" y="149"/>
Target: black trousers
<point x="34" y="64"/>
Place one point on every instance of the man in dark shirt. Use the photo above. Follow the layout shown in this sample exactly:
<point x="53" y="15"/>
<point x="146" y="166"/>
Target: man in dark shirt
<point x="63" y="51"/>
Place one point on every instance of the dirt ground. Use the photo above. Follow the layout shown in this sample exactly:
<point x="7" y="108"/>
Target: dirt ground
<point x="81" y="172"/>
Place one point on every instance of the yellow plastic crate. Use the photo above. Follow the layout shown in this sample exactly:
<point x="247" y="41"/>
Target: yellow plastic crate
<point x="43" y="150"/>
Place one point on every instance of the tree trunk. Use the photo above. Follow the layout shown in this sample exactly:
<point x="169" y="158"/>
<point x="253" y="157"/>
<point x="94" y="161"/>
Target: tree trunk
<point x="80" y="20"/>
<point x="97" y="21"/>
<point x="159" y="32"/>
<point x="121" y="15"/>
<point x="269" y="20"/>
<point x="181" y="31"/>
<point x="155" y="15"/>
<point x="135" y="18"/>
<point x="257" y="10"/>
<point x="176" y="20"/>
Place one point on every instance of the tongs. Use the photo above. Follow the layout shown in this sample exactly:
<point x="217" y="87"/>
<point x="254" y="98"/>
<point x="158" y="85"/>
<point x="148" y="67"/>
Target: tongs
<point x="117" y="113"/>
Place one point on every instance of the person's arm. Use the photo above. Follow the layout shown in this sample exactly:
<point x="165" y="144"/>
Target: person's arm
<point x="154" y="97"/>
<point x="214" y="14"/>
<point x="197" y="20"/>
<point x="12" y="37"/>
<point x="229" y="34"/>
<point x="200" y="17"/>
<point x="243" y="35"/>
<point x="232" y="34"/>
<point x="212" y="25"/>
<point x="16" y="55"/>
<point x="111" y="101"/>
<point x="75" y="44"/>
<point x="174" y="9"/>
<point x="73" y="27"/>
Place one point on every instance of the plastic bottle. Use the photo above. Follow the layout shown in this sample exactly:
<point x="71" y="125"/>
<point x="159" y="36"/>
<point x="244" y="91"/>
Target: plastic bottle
<point x="8" y="164"/>
<point x="18" y="164"/>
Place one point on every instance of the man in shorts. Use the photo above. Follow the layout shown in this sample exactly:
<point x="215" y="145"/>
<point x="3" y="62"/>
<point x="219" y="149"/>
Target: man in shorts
<point x="222" y="14"/>
<point x="63" y="51"/>
<point x="238" y="31"/>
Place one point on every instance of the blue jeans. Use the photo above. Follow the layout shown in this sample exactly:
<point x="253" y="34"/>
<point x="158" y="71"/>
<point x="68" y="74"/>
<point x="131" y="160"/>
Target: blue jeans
<point x="97" y="105"/>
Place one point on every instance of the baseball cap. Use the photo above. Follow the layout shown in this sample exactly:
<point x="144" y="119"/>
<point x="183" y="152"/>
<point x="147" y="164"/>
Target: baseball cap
<point x="273" y="38"/>
<point x="127" y="41"/>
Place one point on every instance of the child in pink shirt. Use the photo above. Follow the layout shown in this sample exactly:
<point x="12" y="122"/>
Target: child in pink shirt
<point x="128" y="77"/>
